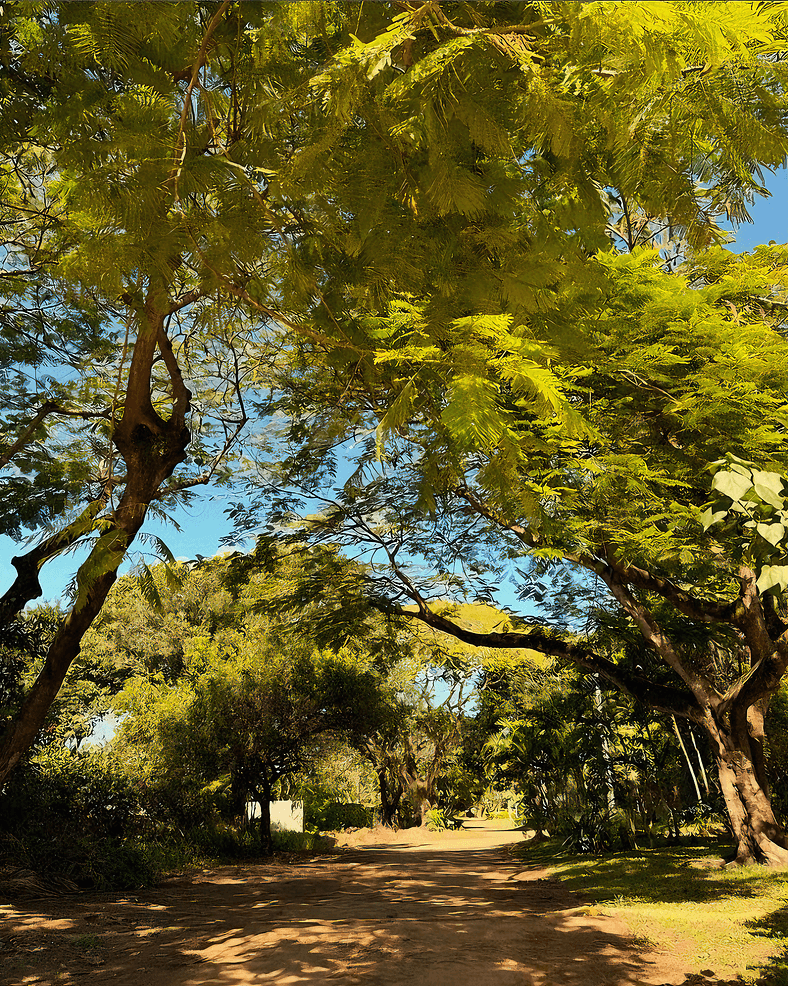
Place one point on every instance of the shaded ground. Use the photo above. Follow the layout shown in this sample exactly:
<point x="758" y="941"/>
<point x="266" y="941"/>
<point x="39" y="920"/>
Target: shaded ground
<point x="453" y="910"/>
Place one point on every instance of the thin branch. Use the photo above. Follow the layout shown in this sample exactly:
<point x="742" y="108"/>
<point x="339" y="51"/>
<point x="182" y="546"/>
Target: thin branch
<point x="180" y="140"/>
<point x="208" y="475"/>
<point x="185" y="300"/>
<point x="35" y="272"/>
<point x="46" y="408"/>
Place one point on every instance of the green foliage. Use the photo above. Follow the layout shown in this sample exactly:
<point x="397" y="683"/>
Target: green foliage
<point x="72" y="815"/>
<point x="589" y="769"/>
<point x="253" y="700"/>
<point x="331" y="817"/>
<point x="751" y="504"/>
<point x="436" y="820"/>
<point x="191" y="184"/>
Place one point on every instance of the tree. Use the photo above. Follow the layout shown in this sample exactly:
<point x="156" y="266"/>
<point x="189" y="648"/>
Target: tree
<point x="591" y="768"/>
<point x="196" y="185"/>
<point x="685" y="368"/>
<point x="416" y="750"/>
<point x="228" y="685"/>
<point x="246" y="717"/>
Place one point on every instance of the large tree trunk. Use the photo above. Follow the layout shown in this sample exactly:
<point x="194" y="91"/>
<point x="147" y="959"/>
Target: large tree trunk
<point x="151" y="448"/>
<point x="760" y="838"/>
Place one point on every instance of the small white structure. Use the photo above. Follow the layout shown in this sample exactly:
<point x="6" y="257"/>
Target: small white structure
<point x="286" y="816"/>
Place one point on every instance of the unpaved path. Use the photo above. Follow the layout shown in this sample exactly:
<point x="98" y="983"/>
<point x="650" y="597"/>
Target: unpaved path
<point x="454" y="911"/>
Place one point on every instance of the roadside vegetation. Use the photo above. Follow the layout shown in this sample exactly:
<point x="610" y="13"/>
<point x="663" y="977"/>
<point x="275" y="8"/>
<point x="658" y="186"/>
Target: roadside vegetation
<point x="733" y="921"/>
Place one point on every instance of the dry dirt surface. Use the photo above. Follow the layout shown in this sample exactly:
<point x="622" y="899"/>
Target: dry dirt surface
<point x="385" y="909"/>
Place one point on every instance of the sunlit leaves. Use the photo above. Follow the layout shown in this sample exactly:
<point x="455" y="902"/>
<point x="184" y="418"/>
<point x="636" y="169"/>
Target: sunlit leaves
<point x="752" y="506"/>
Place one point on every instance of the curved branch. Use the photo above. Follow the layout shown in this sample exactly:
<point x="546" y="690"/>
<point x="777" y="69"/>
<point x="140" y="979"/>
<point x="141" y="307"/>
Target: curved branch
<point x="696" y="608"/>
<point x="26" y="585"/>
<point x="46" y="408"/>
<point x="653" y="694"/>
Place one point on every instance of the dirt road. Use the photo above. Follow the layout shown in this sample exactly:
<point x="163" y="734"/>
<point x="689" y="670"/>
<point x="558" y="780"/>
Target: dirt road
<point x="450" y="911"/>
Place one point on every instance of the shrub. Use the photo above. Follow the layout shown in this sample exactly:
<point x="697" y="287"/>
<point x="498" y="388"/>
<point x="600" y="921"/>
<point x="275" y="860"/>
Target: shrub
<point x="66" y="814"/>
<point x="330" y="816"/>
<point x="436" y="820"/>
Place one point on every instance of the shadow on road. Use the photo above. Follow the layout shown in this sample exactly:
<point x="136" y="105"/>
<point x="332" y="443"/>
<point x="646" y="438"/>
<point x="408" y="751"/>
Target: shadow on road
<point x="393" y="916"/>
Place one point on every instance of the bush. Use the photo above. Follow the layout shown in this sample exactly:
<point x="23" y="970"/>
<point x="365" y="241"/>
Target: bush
<point x="593" y="831"/>
<point x="66" y="814"/>
<point x="436" y="820"/>
<point x="330" y="816"/>
<point x="702" y="819"/>
<point x="286" y="841"/>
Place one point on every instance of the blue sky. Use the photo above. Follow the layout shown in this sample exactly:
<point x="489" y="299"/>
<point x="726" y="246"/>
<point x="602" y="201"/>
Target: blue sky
<point x="204" y="523"/>
<point x="769" y="216"/>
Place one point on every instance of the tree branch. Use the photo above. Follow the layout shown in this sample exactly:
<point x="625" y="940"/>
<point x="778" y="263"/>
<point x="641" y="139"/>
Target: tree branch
<point x="180" y="140"/>
<point x="655" y="695"/>
<point x="46" y="408"/>
<point x="703" y="610"/>
<point x="26" y="585"/>
<point x="702" y="687"/>
<point x="180" y="392"/>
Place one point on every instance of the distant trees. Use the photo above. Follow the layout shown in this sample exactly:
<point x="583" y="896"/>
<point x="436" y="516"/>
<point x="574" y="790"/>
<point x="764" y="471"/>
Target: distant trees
<point x="589" y="767"/>
<point x="244" y="716"/>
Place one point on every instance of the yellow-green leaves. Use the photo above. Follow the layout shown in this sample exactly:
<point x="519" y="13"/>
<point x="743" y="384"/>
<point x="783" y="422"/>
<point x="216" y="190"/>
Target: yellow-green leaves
<point x="752" y="505"/>
<point x="472" y="415"/>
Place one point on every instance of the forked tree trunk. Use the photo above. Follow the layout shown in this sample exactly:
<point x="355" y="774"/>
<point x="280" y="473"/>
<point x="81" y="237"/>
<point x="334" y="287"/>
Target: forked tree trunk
<point x="151" y="448"/>
<point x="760" y="838"/>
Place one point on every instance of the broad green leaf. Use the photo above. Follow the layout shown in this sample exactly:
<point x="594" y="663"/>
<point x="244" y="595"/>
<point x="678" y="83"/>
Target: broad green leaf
<point x="773" y="533"/>
<point x="773" y="577"/>
<point x="769" y="487"/>
<point x="731" y="484"/>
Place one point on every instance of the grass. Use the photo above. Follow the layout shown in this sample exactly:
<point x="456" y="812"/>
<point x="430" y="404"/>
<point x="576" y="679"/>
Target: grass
<point x="285" y="841"/>
<point x="731" y="921"/>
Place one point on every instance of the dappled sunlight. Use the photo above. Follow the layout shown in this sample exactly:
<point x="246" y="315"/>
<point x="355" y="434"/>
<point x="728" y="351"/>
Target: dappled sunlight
<point x="683" y="900"/>
<point x="394" y="916"/>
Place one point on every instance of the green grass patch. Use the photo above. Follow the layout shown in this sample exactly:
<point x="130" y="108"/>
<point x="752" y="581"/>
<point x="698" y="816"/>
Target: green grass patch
<point x="681" y="899"/>
<point x="285" y="841"/>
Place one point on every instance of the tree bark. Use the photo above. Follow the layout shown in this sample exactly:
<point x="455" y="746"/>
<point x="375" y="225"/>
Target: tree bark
<point x="151" y="448"/>
<point x="263" y="793"/>
<point x="760" y="838"/>
<point x="389" y="800"/>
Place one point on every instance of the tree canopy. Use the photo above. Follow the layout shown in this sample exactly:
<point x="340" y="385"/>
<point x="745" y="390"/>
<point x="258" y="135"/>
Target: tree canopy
<point x="390" y="224"/>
